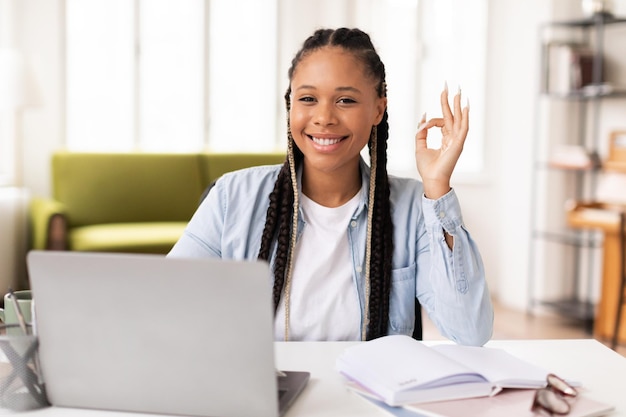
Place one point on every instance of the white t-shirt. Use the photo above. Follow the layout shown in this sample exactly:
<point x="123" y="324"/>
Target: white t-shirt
<point x="324" y="303"/>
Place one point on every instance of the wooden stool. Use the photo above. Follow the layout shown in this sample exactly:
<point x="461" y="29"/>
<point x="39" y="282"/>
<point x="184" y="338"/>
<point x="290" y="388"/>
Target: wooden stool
<point x="609" y="322"/>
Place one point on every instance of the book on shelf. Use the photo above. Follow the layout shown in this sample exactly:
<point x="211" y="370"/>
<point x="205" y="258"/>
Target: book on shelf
<point x="569" y="67"/>
<point x="400" y="370"/>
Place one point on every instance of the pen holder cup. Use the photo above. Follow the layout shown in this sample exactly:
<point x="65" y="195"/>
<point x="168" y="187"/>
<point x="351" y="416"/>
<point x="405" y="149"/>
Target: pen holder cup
<point x="21" y="384"/>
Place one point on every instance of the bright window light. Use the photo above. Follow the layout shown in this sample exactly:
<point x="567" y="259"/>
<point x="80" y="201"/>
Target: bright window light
<point x="99" y="75"/>
<point x="171" y="64"/>
<point x="163" y="81"/>
<point x="242" y="76"/>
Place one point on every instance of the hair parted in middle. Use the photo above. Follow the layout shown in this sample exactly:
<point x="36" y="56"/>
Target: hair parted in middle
<point x="282" y="214"/>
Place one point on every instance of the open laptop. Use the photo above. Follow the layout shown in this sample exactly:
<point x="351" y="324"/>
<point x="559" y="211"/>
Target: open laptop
<point x="147" y="333"/>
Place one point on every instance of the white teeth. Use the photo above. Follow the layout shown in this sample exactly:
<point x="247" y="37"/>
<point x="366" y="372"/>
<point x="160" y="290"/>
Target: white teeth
<point x="325" y="142"/>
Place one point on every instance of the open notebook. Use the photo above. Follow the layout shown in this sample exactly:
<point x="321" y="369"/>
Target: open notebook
<point x="152" y="334"/>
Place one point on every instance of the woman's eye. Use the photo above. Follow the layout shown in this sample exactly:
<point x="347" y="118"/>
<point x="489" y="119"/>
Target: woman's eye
<point x="346" y="101"/>
<point x="306" y="99"/>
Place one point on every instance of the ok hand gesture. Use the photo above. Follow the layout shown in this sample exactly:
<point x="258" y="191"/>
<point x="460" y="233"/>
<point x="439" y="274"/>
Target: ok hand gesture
<point x="435" y="166"/>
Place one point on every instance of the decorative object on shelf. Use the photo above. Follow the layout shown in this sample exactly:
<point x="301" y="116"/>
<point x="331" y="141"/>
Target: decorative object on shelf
<point x="611" y="187"/>
<point x="594" y="7"/>
<point x="616" y="160"/>
<point x="574" y="157"/>
<point x="612" y="181"/>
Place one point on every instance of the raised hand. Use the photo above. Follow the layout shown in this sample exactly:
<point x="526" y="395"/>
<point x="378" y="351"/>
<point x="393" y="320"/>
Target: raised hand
<point x="436" y="165"/>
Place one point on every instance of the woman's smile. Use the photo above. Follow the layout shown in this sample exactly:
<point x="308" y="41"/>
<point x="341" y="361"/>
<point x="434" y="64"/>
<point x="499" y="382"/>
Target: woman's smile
<point x="326" y="140"/>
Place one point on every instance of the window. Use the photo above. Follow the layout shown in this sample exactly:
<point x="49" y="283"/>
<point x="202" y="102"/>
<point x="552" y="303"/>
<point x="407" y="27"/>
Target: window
<point x="242" y="110"/>
<point x="135" y="74"/>
<point x="99" y="75"/>
<point x="454" y="36"/>
<point x="177" y="76"/>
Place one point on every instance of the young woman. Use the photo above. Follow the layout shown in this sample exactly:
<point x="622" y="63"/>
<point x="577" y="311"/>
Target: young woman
<point x="350" y="247"/>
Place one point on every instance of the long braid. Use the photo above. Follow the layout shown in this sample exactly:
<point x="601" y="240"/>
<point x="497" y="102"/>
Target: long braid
<point x="366" y="328"/>
<point x="382" y="236"/>
<point x="294" y="221"/>
<point x="278" y="221"/>
<point x="275" y="228"/>
<point x="281" y="220"/>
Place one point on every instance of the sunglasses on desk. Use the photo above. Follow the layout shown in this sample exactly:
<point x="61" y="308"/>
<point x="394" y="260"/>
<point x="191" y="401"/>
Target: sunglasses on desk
<point x="555" y="398"/>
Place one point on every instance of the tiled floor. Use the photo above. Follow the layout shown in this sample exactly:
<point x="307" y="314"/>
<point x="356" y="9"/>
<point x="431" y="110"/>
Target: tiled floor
<point x="512" y="324"/>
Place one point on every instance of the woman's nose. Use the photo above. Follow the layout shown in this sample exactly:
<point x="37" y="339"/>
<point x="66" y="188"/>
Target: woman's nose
<point x="324" y="114"/>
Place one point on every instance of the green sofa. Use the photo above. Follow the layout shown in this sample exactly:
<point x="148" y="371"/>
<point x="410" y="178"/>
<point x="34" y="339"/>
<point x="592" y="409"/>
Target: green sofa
<point x="127" y="202"/>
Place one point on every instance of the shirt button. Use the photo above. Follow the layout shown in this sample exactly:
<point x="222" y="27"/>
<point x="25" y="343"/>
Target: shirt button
<point x="359" y="269"/>
<point x="442" y="214"/>
<point x="353" y="223"/>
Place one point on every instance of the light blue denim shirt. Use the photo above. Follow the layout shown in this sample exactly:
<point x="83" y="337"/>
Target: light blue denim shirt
<point x="450" y="284"/>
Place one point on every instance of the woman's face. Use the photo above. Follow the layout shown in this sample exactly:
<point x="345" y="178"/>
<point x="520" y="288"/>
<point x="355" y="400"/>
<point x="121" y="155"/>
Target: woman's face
<point x="334" y="105"/>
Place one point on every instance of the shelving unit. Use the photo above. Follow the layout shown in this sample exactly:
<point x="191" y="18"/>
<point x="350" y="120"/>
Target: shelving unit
<point x="564" y="261"/>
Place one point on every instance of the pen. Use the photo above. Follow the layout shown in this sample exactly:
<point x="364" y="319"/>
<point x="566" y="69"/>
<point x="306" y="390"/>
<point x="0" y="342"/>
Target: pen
<point x="18" y="311"/>
<point x="22" y="321"/>
<point x="33" y="327"/>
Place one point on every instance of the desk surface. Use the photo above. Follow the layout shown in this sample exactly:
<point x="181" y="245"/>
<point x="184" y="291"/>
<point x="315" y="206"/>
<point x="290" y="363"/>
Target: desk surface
<point x="601" y="370"/>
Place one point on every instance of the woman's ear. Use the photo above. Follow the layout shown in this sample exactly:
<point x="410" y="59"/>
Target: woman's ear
<point x="381" y="106"/>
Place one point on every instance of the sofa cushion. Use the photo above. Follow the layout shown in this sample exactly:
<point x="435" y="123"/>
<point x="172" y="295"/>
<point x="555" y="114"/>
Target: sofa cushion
<point x="214" y="165"/>
<point x="101" y="188"/>
<point x="157" y="237"/>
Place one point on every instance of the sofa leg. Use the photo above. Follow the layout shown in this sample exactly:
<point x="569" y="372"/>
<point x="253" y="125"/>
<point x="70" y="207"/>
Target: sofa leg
<point x="57" y="233"/>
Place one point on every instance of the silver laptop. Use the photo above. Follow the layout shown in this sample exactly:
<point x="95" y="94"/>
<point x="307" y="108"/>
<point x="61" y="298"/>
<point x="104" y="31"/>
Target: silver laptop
<point x="152" y="334"/>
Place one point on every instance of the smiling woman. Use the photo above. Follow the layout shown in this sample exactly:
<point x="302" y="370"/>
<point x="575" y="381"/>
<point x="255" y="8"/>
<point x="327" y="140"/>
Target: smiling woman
<point x="354" y="252"/>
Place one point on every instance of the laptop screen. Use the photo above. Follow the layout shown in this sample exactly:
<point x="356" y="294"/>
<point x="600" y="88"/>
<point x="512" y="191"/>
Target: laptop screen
<point x="148" y="333"/>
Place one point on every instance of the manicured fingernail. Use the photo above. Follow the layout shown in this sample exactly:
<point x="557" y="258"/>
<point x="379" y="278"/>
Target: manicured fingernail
<point x="422" y="124"/>
<point x="445" y="86"/>
<point x="458" y="91"/>
<point x="467" y="103"/>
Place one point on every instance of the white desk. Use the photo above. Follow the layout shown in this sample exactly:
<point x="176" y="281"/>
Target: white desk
<point x="601" y="370"/>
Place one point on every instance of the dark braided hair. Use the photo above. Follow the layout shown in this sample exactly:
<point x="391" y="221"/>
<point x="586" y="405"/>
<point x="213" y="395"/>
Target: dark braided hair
<point x="281" y="220"/>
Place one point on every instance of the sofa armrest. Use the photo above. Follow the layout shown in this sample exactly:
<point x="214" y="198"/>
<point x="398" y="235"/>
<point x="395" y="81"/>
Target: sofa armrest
<point x="48" y="219"/>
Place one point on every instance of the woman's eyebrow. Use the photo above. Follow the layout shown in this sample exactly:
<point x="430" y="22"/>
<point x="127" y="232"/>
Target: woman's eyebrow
<point x="348" y="89"/>
<point x="340" y="89"/>
<point x="305" y="87"/>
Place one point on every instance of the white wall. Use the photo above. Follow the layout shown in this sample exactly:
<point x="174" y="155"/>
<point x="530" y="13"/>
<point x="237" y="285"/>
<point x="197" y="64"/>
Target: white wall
<point x="496" y="209"/>
<point x="503" y="211"/>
